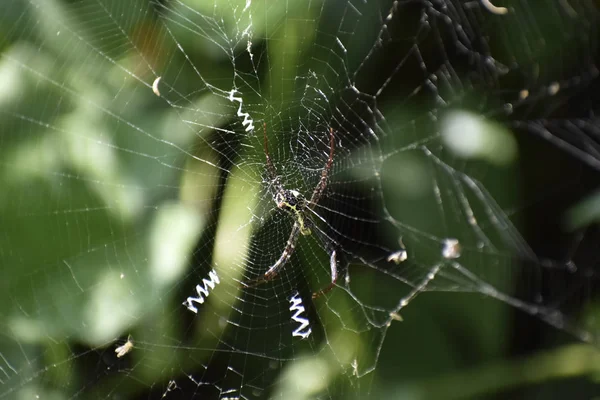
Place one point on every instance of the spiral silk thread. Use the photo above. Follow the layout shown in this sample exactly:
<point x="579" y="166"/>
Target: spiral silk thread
<point x="203" y="290"/>
<point x="297" y="308"/>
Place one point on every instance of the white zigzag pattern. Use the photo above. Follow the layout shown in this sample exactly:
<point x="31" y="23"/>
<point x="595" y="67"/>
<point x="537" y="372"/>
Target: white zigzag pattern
<point x="247" y="119"/>
<point x="203" y="291"/>
<point x="296" y="305"/>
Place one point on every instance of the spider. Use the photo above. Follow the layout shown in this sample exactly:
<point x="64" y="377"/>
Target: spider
<point x="294" y="203"/>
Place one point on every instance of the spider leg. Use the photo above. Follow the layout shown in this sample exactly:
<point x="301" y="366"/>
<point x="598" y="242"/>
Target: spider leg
<point x="283" y="259"/>
<point x="334" y="276"/>
<point x="329" y="243"/>
<point x="299" y="225"/>
<point x="285" y="256"/>
<point x="325" y="173"/>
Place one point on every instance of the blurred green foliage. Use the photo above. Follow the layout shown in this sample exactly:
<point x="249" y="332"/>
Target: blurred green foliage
<point x="107" y="190"/>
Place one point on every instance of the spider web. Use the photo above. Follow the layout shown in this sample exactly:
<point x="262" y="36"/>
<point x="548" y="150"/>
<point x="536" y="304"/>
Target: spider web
<point x="134" y="179"/>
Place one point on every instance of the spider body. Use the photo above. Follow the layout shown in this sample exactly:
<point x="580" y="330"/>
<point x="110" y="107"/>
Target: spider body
<point x="295" y="204"/>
